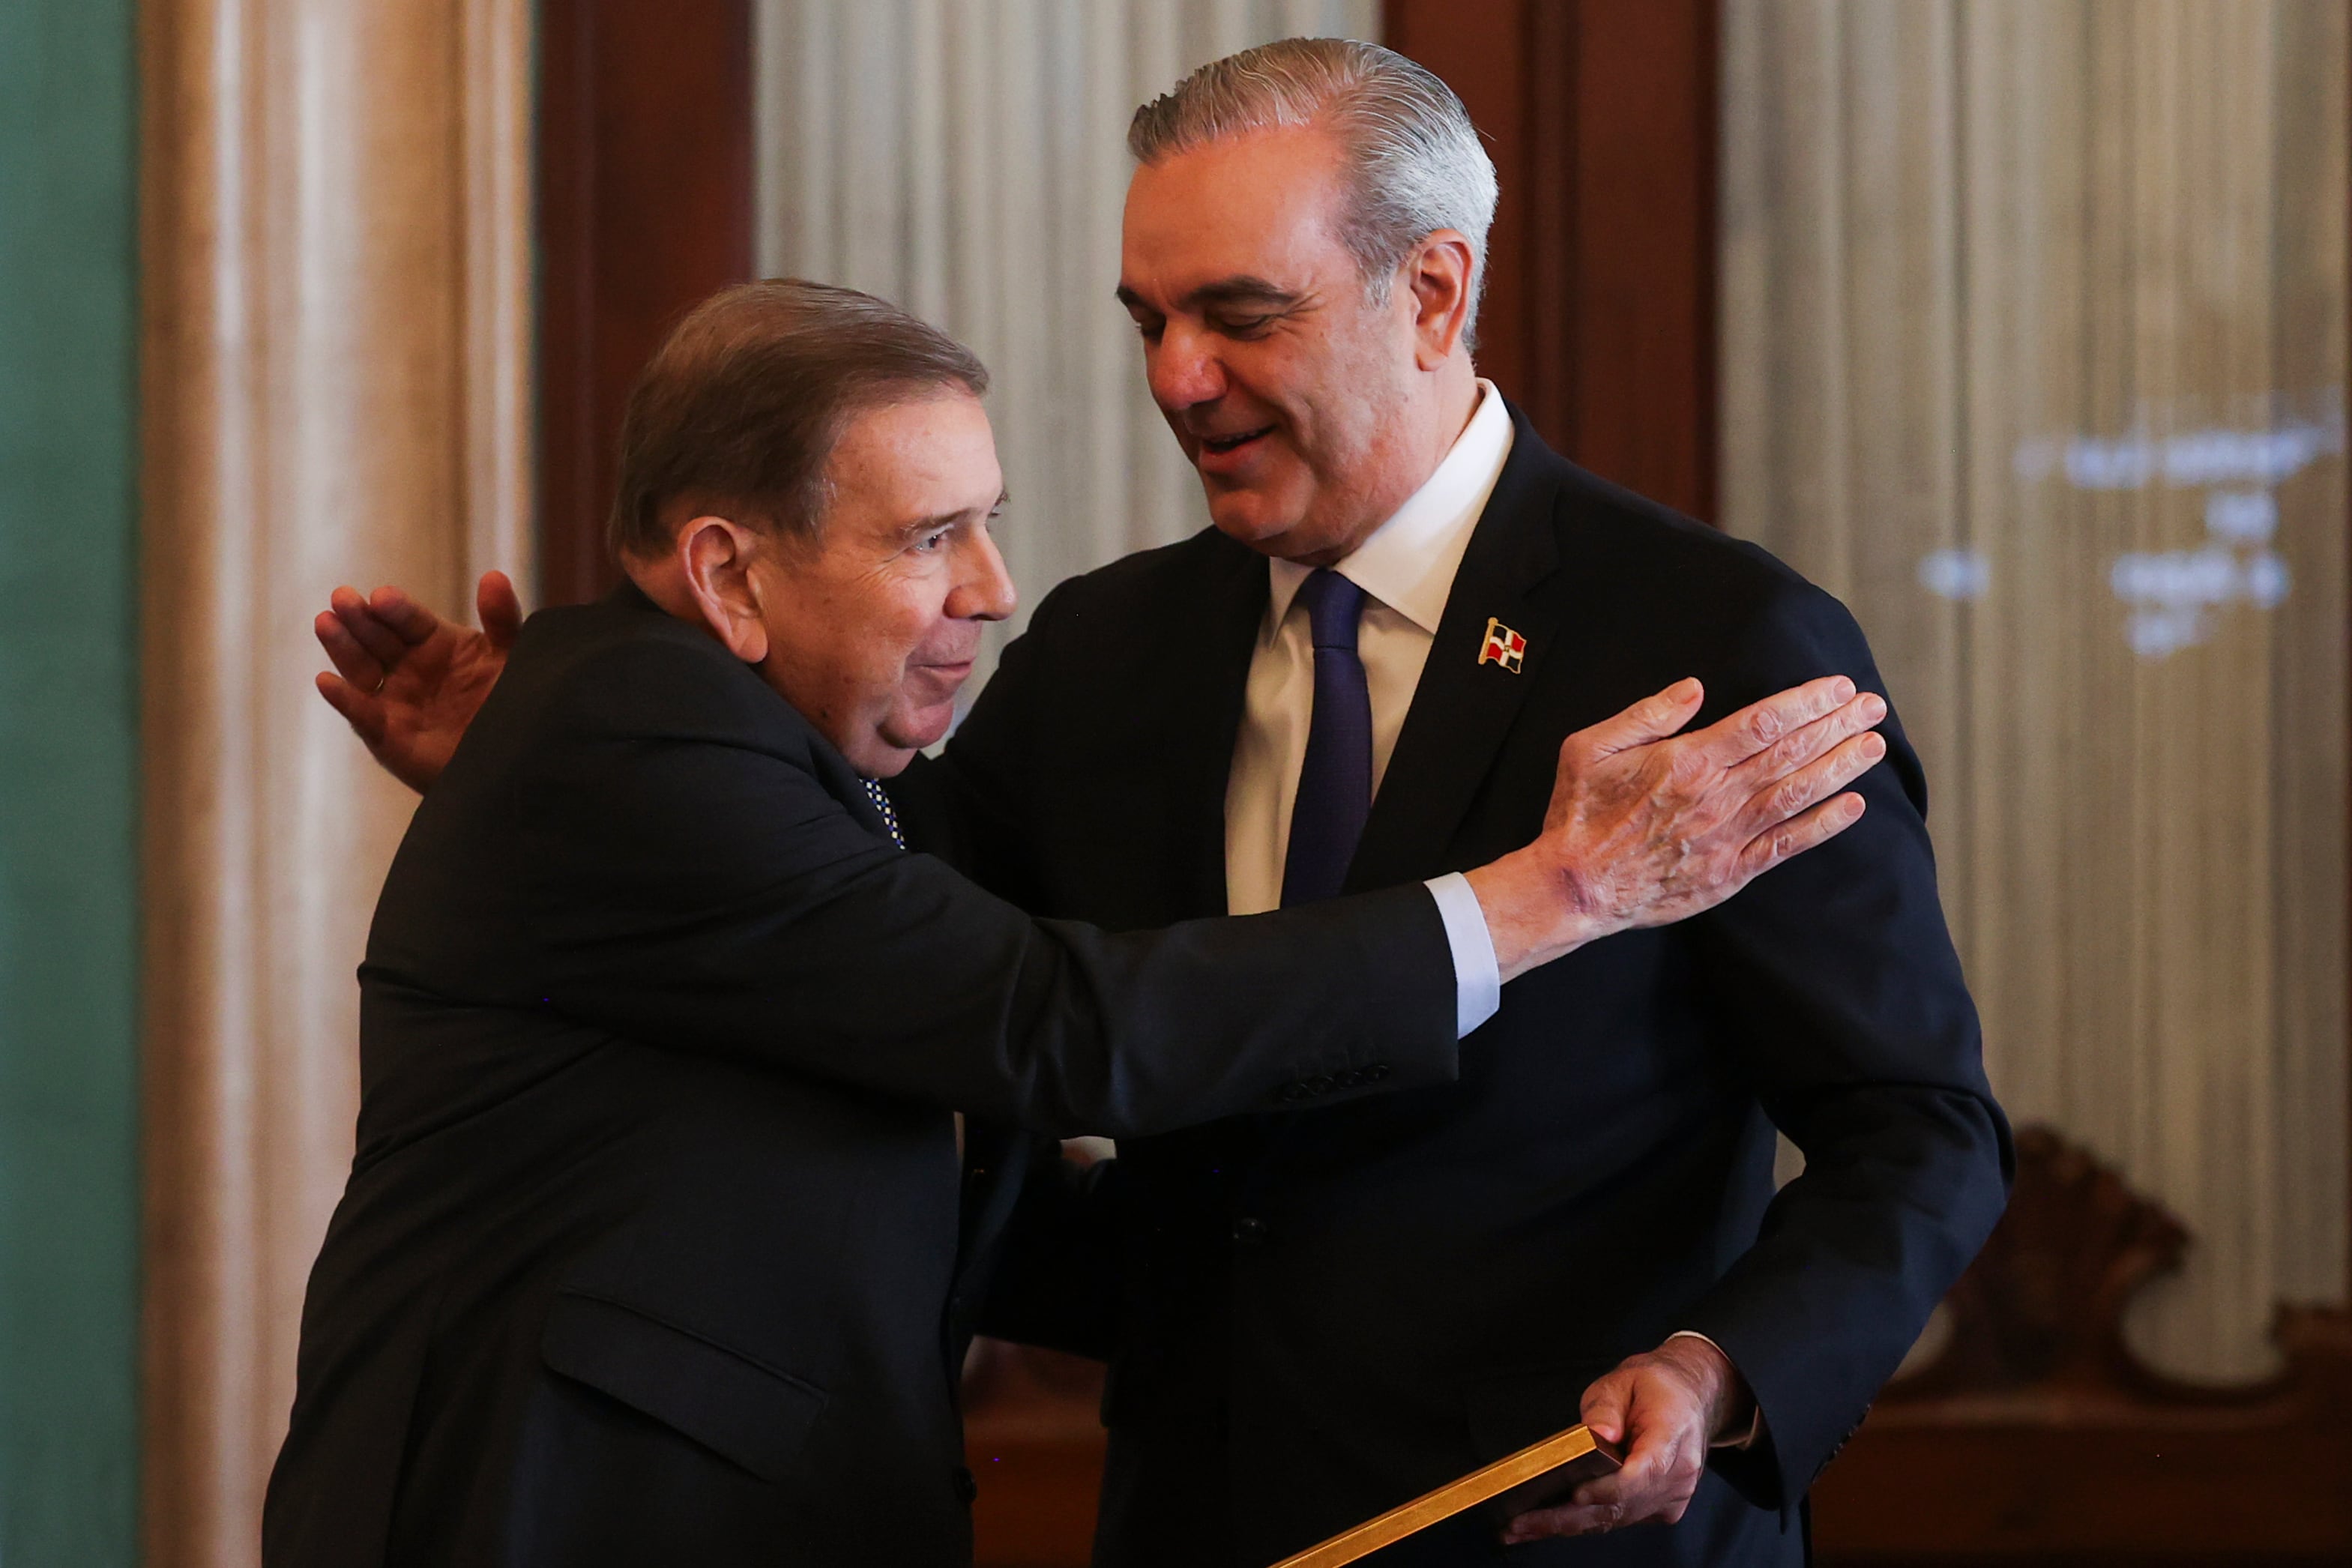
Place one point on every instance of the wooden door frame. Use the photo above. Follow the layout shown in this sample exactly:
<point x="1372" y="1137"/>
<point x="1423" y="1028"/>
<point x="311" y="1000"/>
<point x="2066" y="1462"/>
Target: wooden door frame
<point x="1599" y="318"/>
<point x="645" y="205"/>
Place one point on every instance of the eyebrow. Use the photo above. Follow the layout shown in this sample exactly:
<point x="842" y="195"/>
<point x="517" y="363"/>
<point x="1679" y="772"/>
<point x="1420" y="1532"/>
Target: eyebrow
<point x="950" y="518"/>
<point x="1241" y="289"/>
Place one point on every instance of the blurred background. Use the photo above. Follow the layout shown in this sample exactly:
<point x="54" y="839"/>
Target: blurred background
<point x="2018" y="324"/>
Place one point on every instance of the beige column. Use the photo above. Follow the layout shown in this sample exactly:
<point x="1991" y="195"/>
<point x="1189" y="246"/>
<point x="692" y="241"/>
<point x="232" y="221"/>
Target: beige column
<point x="335" y="386"/>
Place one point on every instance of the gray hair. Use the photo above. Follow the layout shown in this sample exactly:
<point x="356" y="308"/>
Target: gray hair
<point x="1415" y="159"/>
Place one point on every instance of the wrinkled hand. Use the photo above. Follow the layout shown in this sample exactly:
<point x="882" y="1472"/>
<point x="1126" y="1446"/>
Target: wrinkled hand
<point x="1665" y="1407"/>
<point x="1648" y="826"/>
<point x="406" y="680"/>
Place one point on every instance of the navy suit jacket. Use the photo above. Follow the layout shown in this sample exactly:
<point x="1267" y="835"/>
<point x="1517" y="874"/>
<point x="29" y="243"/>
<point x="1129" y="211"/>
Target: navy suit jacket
<point x="1313" y="1318"/>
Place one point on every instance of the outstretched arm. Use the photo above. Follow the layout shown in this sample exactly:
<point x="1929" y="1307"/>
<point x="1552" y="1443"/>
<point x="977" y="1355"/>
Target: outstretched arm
<point x="732" y="900"/>
<point x="409" y="683"/>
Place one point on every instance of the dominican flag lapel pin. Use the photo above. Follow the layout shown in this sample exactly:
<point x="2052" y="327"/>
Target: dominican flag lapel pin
<point x="1503" y="646"/>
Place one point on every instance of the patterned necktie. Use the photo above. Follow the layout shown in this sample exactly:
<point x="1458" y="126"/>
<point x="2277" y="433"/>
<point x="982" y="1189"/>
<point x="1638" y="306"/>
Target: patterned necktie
<point x="882" y="804"/>
<point x="1335" y="781"/>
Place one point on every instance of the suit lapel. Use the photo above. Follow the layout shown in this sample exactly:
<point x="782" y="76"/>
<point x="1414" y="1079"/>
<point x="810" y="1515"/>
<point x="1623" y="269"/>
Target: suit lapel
<point x="846" y="785"/>
<point x="1202" y="706"/>
<point x="833" y="770"/>
<point x="1461" y="710"/>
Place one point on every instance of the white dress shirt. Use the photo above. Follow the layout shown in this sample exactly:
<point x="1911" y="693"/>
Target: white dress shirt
<point x="1406" y="569"/>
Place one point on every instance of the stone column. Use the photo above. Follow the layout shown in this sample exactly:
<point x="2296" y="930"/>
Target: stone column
<point x="335" y="233"/>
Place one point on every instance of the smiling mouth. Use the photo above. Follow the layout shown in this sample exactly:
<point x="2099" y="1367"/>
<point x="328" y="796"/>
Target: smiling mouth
<point x="1221" y="444"/>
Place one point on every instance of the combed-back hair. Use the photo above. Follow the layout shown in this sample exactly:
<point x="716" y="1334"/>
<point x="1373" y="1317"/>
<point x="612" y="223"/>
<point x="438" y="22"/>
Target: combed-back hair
<point x="1414" y="161"/>
<point x="740" y="406"/>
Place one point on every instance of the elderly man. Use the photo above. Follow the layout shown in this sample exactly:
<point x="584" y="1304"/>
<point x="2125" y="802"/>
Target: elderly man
<point x="1359" y="676"/>
<point x="651" y="1248"/>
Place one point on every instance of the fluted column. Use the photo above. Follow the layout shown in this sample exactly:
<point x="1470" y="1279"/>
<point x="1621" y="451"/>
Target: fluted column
<point x="335" y="238"/>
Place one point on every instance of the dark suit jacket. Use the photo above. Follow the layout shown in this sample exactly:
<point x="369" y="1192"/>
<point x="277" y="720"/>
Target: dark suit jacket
<point x="649" y="1248"/>
<point x="1316" y="1318"/>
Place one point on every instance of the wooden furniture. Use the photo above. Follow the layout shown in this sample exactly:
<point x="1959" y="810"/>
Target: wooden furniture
<point x="1034" y="1444"/>
<point x="2036" y="1437"/>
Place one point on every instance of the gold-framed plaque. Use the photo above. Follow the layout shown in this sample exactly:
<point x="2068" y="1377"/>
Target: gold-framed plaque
<point x="1538" y="1476"/>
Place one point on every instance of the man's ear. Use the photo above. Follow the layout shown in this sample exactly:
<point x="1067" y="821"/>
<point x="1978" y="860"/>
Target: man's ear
<point x="1438" y="274"/>
<point x="715" y="556"/>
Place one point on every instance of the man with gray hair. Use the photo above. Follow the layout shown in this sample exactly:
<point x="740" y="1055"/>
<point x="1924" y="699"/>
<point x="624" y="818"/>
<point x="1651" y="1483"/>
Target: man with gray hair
<point x="1361" y="673"/>
<point x="1362" y="676"/>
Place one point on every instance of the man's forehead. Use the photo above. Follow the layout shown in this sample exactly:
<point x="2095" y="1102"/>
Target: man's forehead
<point x="934" y="456"/>
<point x="910" y="495"/>
<point x="1243" y="212"/>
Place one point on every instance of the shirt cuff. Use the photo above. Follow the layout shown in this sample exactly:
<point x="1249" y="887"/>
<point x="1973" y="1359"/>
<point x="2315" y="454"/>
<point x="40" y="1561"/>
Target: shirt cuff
<point x="1477" y="978"/>
<point x="1756" y="1418"/>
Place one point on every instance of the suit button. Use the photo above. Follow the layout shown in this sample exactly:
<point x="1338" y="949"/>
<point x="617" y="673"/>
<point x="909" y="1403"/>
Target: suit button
<point x="1249" y="1230"/>
<point x="1291" y="1093"/>
<point x="1377" y="1072"/>
<point x="1319" y="1084"/>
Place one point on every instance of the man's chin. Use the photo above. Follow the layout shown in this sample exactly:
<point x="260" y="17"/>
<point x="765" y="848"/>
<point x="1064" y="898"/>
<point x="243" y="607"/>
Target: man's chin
<point x="902" y="737"/>
<point x="1251" y="517"/>
<point x="1281" y="533"/>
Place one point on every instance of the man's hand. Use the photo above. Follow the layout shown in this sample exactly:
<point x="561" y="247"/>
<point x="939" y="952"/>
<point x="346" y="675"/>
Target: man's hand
<point x="1648" y="826"/>
<point x="408" y="681"/>
<point x="1665" y="1407"/>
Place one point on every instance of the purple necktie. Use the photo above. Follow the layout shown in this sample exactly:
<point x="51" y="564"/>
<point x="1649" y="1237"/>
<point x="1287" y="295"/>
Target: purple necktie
<point x="1335" y="781"/>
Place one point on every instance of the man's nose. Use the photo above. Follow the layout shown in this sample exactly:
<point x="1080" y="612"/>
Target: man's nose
<point x="984" y="590"/>
<point x="1184" y="369"/>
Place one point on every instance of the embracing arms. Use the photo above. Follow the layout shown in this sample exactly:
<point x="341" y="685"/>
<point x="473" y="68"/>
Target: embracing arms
<point x="1647" y="825"/>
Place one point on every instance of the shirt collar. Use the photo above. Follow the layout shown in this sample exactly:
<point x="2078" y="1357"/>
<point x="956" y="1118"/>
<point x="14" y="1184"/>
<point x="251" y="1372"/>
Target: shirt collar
<point x="1408" y="563"/>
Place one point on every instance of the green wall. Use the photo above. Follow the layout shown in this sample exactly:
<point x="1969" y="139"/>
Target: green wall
<point x="68" y="708"/>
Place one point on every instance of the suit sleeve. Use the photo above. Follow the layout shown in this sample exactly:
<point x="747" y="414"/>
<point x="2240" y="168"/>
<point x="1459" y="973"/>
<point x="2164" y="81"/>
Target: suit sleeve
<point x="1837" y="976"/>
<point x="701" y="888"/>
